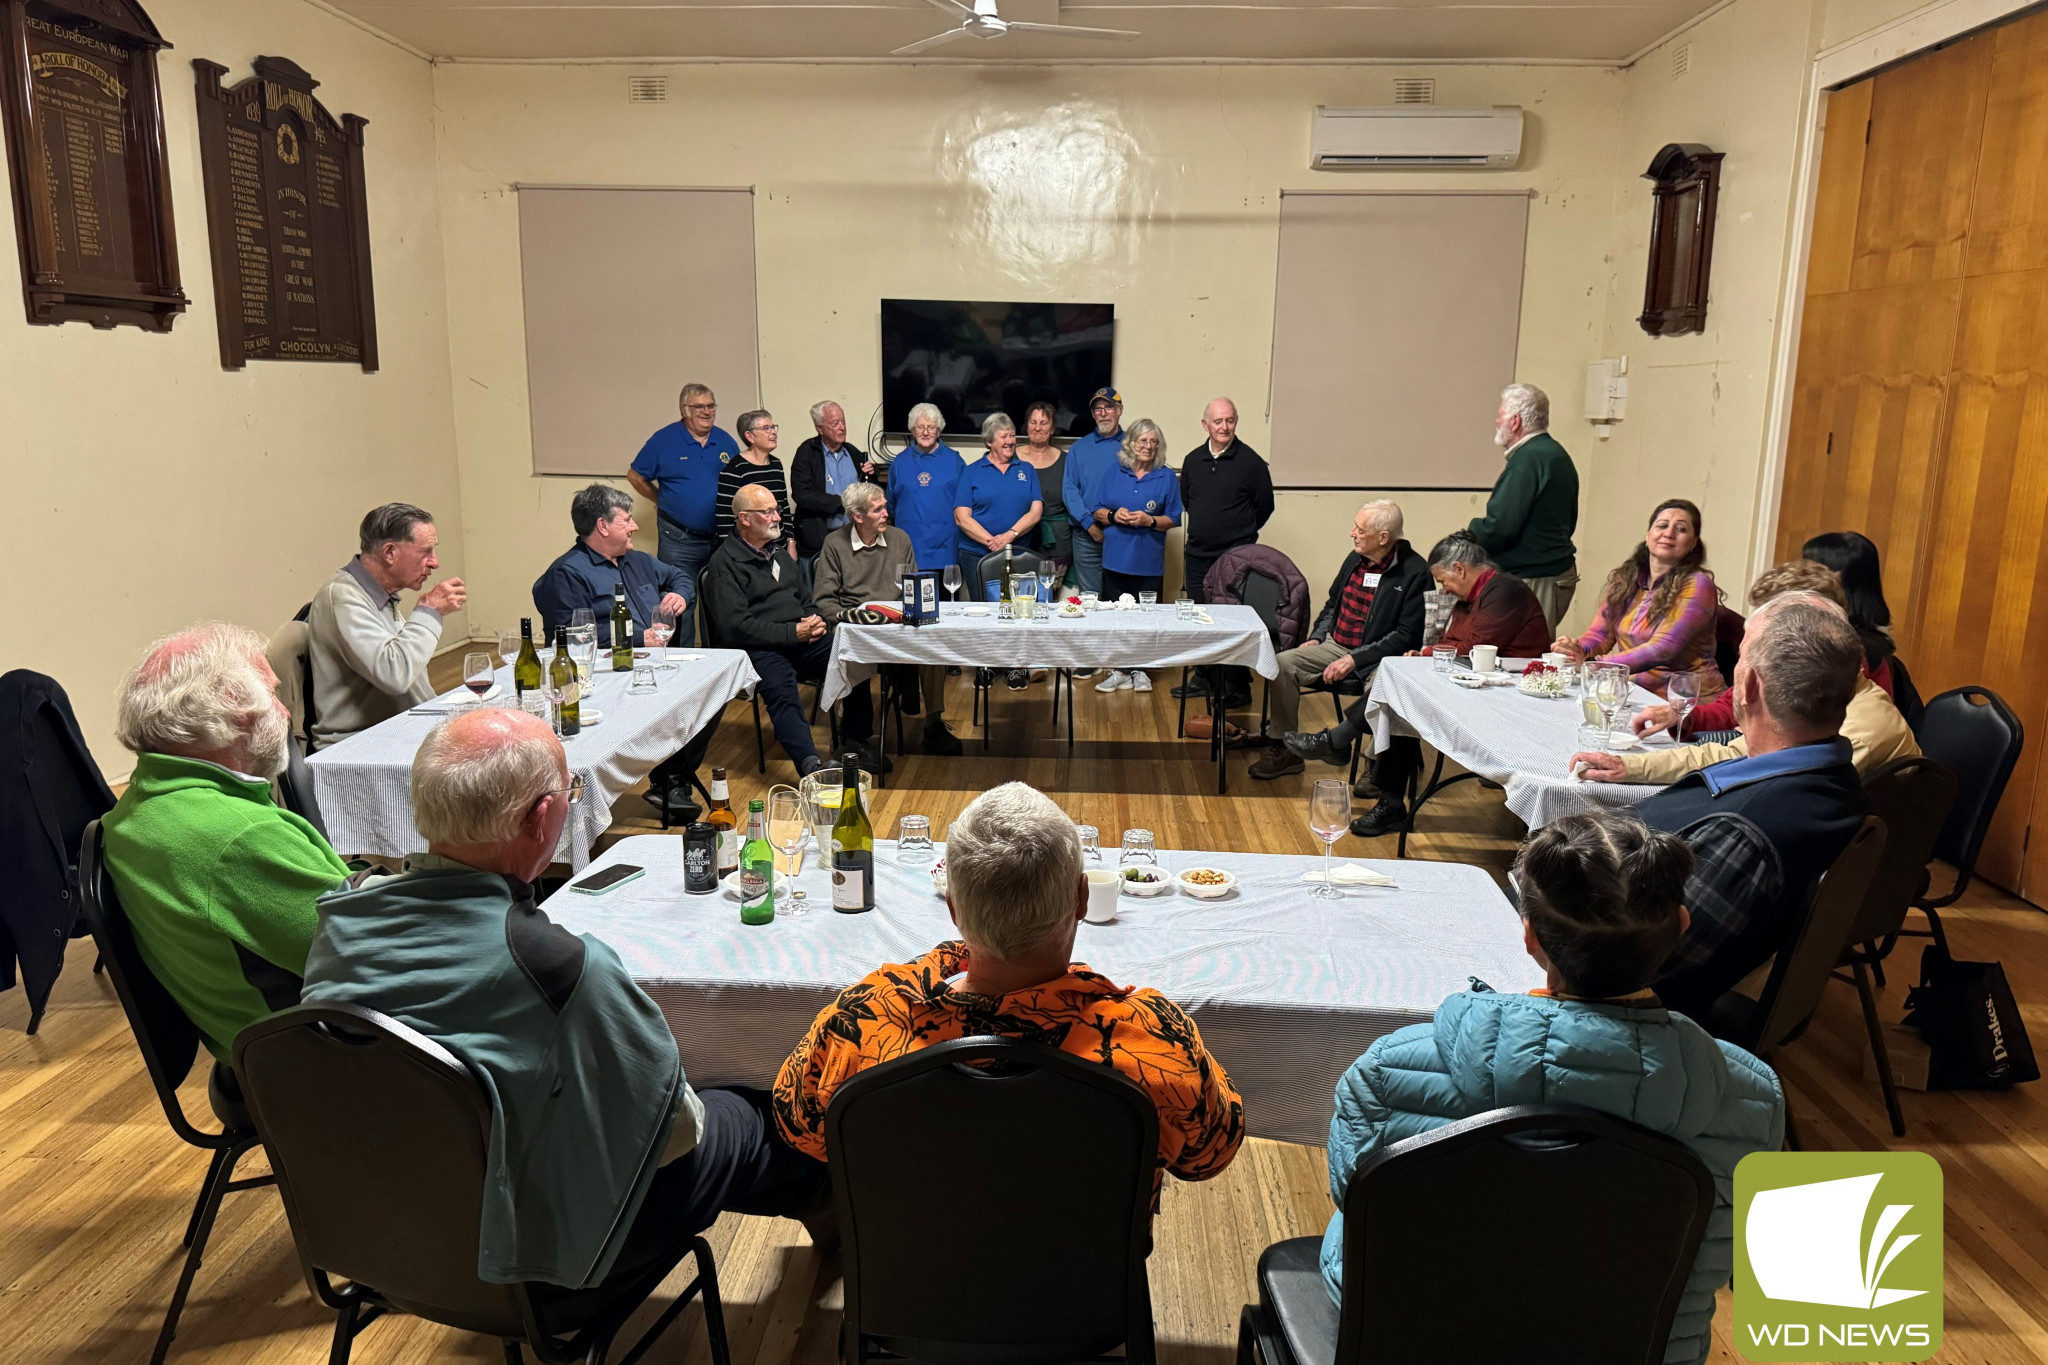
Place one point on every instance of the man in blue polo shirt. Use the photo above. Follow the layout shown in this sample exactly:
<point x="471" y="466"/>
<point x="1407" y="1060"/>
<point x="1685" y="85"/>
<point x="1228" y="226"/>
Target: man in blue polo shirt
<point x="922" y="481"/>
<point x="996" y="502"/>
<point x="677" y="470"/>
<point x="1088" y="459"/>
<point x="1135" y="504"/>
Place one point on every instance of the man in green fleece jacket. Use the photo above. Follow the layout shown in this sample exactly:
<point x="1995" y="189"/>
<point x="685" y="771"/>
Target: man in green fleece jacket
<point x="217" y="881"/>
<point x="1534" y="506"/>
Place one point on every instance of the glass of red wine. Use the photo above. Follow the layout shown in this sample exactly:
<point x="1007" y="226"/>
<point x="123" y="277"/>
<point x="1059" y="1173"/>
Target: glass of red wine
<point x="478" y="675"/>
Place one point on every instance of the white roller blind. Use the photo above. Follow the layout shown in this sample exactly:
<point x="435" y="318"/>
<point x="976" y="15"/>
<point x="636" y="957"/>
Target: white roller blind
<point x="630" y="294"/>
<point x="1394" y="330"/>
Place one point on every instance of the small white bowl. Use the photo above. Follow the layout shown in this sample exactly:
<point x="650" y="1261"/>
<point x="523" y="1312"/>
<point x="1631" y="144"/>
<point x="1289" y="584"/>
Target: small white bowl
<point x="1163" y="884"/>
<point x="1210" y="891"/>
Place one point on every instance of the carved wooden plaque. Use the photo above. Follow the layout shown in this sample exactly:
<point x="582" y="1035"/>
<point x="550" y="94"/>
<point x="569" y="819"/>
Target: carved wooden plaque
<point x="1688" y="180"/>
<point x="85" y="150"/>
<point x="285" y="210"/>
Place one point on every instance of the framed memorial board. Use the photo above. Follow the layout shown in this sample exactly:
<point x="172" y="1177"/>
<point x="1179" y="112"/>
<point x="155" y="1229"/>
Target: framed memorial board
<point x="85" y="153"/>
<point x="285" y="211"/>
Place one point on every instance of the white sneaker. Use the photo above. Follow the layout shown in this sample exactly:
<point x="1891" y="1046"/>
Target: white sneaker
<point x="1140" y="681"/>
<point x="1117" y="681"/>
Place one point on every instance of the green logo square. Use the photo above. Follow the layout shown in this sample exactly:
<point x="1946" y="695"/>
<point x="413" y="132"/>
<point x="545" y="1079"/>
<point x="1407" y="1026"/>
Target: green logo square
<point x="1838" y="1256"/>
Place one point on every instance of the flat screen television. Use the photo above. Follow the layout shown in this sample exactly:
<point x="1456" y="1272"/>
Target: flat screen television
<point x="974" y="359"/>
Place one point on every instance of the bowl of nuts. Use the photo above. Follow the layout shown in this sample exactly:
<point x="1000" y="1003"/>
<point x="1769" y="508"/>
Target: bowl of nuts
<point x="1206" y="883"/>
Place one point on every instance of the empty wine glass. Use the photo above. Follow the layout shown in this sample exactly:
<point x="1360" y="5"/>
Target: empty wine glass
<point x="951" y="578"/>
<point x="659" y="632"/>
<point x="1610" y="692"/>
<point x="786" y="829"/>
<point x="1682" y="690"/>
<point x="478" y="673"/>
<point x="582" y="616"/>
<point x="508" y="644"/>
<point x="1329" y="819"/>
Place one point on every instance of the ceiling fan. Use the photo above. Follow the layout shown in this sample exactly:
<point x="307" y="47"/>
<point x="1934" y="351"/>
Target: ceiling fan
<point x="982" y="22"/>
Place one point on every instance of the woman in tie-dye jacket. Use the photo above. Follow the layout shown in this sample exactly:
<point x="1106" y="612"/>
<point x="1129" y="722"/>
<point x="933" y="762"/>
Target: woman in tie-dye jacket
<point x="1657" y="612"/>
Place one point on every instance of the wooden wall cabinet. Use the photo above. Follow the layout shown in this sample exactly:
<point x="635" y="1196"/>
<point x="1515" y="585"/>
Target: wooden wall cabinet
<point x="1687" y="178"/>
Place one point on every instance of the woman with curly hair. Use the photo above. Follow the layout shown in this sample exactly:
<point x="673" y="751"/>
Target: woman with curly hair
<point x="1657" y="611"/>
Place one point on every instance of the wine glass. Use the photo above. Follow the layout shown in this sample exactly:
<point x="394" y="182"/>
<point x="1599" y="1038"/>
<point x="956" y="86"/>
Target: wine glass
<point x="1610" y="692"/>
<point x="478" y="673"/>
<point x="786" y="829"/>
<point x="951" y="578"/>
<point x="659" y="632"/>
<point x="1329" y="819"/>
<point x="582" y="616"/>
<point x="508" y="644"/>
<point x="1682" y="690"/>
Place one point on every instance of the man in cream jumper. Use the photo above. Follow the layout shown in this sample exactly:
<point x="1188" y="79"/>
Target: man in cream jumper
<point x="370" y="662"/>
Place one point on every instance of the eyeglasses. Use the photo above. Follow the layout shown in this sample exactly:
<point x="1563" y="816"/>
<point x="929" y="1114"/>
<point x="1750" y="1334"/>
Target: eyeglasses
<point x="703" y="407"/>
<point x="575" y="789"/>
<point x="765" y="426"/>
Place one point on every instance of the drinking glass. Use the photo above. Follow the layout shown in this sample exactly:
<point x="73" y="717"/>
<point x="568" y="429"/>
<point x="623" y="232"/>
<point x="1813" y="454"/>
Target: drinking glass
<point x="914" y="839"/>
<point x="1610" y="691"/>
<point x="1091" y="843"/>
<point x="508" y="644"/>
<point x="951" y="578"/>
<point x="1184" y="607"/>
<point x="1148" y="599"/>
<point x="583" y="647"/>
<point x="643" y="679"/>
<point x="1444" y="658"/>
<point x="582" y="616"/>
<point x="1138" y="850"/>
<point x="1682" y="690"/>
<point x="660" y="631"/>
<point x="786" y="826"/>
<point x="1329" y="819"/>
<point x="477" y="673"/>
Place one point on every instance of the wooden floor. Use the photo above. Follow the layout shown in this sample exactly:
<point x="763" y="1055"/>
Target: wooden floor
<point x="94" y="1190"/>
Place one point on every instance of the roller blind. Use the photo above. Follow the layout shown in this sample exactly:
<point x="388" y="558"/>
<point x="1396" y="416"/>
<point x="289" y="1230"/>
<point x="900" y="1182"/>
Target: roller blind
<point x="1394" y="330"/>
<point x="630" y="294"/>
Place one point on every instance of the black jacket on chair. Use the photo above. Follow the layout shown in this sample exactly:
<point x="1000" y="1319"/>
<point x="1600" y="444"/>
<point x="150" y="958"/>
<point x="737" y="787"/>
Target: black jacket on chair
<point x="814" y="506"/>
<point x="1394" y="625"/>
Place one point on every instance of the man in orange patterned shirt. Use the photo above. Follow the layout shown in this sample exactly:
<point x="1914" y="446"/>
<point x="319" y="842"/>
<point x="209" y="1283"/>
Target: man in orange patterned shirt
<point x="1015" y="889"/>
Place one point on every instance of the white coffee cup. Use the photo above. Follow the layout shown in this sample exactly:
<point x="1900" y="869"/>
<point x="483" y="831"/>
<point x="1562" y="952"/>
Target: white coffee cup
<point x="1102" y="894"/>
<point x="1554" y="659"/>
<point x="1485" y="658"/>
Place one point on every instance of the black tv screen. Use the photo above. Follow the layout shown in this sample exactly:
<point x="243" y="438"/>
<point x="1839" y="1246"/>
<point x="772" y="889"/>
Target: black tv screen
<point x="975" y="359"/>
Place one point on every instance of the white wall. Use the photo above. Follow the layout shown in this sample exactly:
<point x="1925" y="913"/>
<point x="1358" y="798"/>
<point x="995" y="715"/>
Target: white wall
<point x="147" y="487"/>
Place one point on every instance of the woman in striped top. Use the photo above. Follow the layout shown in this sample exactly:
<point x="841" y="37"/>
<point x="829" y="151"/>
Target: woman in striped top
<point x="1657" y="613"/>
<point x="756" y="464"/>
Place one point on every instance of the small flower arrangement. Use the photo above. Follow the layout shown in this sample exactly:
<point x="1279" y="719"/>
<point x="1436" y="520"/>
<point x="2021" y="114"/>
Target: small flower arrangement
<point x="1539" y="679"/>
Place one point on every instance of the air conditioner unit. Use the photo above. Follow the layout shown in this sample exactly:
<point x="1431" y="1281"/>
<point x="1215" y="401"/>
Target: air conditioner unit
<point x="1415" y="136"/>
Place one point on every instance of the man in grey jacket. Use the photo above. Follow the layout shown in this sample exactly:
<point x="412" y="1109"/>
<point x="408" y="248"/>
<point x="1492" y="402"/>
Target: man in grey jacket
<point x="601" y="1156"/>
<point x="370" y="662"/>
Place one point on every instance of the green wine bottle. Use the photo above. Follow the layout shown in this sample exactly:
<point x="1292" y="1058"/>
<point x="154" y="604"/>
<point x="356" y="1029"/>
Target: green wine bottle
<point x="757" y="869"/>
<point x="622" y="630"/>
<point x="526" y="668"/>
<point x="562" y="677"/>
<point x="853" y="846"/>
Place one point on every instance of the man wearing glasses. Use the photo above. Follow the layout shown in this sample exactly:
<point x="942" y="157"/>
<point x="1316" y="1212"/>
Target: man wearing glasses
<point x="677" y="470"/>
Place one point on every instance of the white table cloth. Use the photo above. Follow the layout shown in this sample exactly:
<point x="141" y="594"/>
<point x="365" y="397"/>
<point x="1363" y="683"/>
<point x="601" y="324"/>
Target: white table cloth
<point x="364" y="783"/>
<point x="1143" y="637"/>
<point x="1521" y="742"/>
<point x="1287" y="990"/>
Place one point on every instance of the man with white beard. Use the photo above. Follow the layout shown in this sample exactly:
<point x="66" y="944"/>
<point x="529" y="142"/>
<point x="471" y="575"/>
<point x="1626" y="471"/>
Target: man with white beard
<point x="217" y="880"/>
<point x="1534" y="507"/>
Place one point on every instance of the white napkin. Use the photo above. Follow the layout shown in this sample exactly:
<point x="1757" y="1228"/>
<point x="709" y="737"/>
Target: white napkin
<point x="1351" y="874"/>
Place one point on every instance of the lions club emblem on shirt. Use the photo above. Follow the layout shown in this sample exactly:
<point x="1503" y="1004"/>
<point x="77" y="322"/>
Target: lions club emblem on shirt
<point x="725" y="457"/>
<point x="924" y="481"/>
<point x="1151" y="504"/>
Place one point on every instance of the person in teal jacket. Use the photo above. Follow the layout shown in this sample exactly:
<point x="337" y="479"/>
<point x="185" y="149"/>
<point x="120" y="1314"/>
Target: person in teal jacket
<point x="1601" y="909"/>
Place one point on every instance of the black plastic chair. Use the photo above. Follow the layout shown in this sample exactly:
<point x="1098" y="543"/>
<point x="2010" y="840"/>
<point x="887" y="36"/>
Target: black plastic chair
<point x="378" y="1136"/>
<point x="1912" y="796"/>
<point x="1971" y="732"/>
<point x="169" y="1042"/>
<point x="1007" y="1124"/>
<point x="295" y="789"/>
<point x="1427" y="1277"/>
<point x="999" y="564"/>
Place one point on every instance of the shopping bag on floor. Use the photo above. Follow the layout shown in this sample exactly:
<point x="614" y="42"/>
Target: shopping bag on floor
<point x="1204" y="728"/>
<point x="1966" y="1012"/>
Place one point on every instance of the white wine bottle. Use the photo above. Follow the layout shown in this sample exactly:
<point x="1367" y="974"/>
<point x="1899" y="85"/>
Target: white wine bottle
<point x="622" y="630"/>
<point x="526" y="668"/>
<point x="853" y="846"/>
<point x="562" y="676"/>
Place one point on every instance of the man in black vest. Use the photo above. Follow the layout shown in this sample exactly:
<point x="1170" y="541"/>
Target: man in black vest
<point x="1226" y="495"/>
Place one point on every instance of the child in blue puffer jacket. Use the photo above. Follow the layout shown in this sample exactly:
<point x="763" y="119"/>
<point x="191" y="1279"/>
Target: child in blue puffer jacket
<point x="1601" y="906"/>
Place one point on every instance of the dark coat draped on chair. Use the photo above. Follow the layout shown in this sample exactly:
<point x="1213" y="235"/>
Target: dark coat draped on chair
<point x="1228" y="573"/>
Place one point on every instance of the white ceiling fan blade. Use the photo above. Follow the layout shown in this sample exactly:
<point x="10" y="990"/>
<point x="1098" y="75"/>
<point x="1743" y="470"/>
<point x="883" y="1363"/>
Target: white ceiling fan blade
<point x="953" y="9"/>
<point x="926" y="44"/>
<point x="1069" y="30"/>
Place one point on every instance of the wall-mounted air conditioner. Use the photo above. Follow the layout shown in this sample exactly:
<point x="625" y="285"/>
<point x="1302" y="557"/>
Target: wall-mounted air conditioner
<point x="1415" y="136"/>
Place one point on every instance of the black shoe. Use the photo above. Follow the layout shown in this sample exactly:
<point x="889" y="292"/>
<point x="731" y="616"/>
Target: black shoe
<point x="874" y="760"/>
<point x="952" y="670"/>
<point x="676" y="804"/>
<point x="1365" y="789"/>
<point x="1018" y="679"/>
<point x="939" y="740"/>
<point x="1384" y="818"/>
<point x="1232" y="700"/>
<point x="1318" y="745"/>
<point x="809" y="766"/>
<point x="1193" y="687"/>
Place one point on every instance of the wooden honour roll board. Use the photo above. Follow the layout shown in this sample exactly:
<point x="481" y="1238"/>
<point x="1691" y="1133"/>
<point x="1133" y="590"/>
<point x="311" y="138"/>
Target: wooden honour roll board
<point x="284" y="208"/>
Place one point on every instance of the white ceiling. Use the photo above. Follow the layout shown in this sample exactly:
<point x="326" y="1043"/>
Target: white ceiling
<point x="1416" y="30"/>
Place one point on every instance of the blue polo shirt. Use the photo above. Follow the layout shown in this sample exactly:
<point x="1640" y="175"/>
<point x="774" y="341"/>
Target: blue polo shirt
<point x="1133" y="549"/>
<point x="997" y="499"/>
<point x="921" y="489"/>
<point x="1088" y="459"/>
<point x="684" y="472"/>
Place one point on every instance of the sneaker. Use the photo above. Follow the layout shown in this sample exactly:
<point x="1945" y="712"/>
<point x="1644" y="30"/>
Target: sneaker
<point x="1080" y="673"/>
<point x="1018" y="679"/>
<point x="1384" y="818"/>
<point x="940" y="740"/>
<point x="1117" y="681"/>
<point x="809" y="766"/>
<point x="1141" y="681"/>
<point x="1278" y="761"/>
<point x="1316" y="745"/>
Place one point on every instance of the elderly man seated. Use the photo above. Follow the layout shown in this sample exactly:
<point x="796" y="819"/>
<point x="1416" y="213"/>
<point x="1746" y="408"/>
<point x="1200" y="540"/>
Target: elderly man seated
<point x="218" y="883"/>
<point x="756" y="600"/>
<point x="370" y="662"/>
<point x="586" y="576"/>
<point x="601" y="1156"/>
<point x="1374" y="610"/>
<point x="865" y="563"/>
<point x="1015" y="889"/>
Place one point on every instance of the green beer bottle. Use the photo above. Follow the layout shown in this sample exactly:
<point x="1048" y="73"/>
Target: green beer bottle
<point x="757" y="869"/>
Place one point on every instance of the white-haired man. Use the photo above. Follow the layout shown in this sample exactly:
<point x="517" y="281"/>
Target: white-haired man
<point x="822" y="469"/>
<point x="1015" y="890"/>
<point x="1374" y="610"/>
<point x="1226" y="489"/>
<point x="218" y="882"/>
<point x="1534" y="507"/>
<point x="602" y="1158"/>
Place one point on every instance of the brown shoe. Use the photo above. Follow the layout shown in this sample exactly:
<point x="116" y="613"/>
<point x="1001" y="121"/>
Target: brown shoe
<point x="1277" y="762"/>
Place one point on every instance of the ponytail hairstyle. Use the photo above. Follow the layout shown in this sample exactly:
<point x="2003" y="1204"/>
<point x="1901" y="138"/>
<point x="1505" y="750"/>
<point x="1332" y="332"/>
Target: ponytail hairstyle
<point x="1602" y="893"/>
<point x="1621" y="584"/>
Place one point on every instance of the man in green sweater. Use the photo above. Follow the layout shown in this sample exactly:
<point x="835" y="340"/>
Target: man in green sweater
<point x="1534" y="506"/>
<point x="218" y="882"/>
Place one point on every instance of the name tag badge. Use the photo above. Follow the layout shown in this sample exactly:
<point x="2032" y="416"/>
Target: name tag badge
<point x="1372" y="580"/>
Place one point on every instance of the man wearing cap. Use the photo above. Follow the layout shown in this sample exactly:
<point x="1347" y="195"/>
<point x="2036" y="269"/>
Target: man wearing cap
<point x="677" y="470"/>
<point x="1088" y="459"/>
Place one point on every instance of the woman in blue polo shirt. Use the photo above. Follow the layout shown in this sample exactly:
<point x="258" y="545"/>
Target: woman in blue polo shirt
<point x="922" y="481"/>
<point x="996" y="503"/>
<point x="1136" y="502"/>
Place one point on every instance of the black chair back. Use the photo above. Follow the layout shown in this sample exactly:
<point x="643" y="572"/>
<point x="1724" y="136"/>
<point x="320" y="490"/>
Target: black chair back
<point x="1912" y="796"/>
<point x="1050" y="1156"/>
<point x="295" y="789"/>
<point x="1424" y="1282"/>
<point x="998" y="564"/>
<point x="1906" y="695"/>
<point x="1263" y="593"/>
<point x="1971" y="732"/>
<point x="1800" y="973"/>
